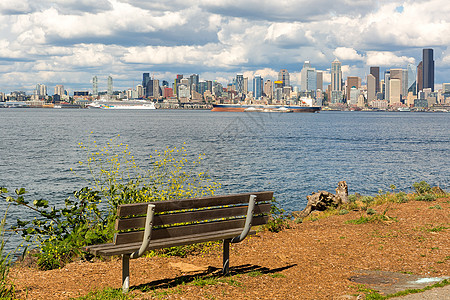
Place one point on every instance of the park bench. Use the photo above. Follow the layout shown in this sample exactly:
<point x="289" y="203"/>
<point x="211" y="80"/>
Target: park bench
<point x="141" y="227"/>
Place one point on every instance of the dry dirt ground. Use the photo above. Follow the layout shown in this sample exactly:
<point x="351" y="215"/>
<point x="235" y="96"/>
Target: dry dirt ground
<point x="311" y="260"/>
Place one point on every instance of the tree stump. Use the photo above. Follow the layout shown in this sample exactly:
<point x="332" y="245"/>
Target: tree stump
<point x="322" y="200"/>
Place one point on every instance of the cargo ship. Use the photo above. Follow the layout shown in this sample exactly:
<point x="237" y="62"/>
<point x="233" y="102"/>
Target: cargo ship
<point x="265" y="108"/>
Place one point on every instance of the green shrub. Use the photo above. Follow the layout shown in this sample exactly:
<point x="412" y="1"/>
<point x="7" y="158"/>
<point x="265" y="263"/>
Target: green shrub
<point x="426" y="197"/>
<point x="60" y="233"/>
<point x="278" y="220"/>
<point x="7" y="287"/>
<point x="422" y="188"/>
<point x="343" y="212"/>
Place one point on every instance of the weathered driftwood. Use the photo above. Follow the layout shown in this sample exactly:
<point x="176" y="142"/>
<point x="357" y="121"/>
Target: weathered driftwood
<point x="322" y="200"/>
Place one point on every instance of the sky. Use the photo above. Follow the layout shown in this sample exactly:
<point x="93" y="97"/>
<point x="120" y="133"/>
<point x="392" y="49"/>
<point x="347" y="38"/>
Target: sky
<point x="69" y="41"/>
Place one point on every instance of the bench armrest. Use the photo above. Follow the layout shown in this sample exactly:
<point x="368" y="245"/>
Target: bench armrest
<point x="248" y="221"/>
<point x="147" y="232"/>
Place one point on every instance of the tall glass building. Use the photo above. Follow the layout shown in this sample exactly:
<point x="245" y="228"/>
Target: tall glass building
<point x="309" y="79"/>
<point x="336" y="75"/>
<point x="283" y="76"/>
<point x="428" y="69"/>
<point x="412" y="79"/>
<point x="257" y="86"/>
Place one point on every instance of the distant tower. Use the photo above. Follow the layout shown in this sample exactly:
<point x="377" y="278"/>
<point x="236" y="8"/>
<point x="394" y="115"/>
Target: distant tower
<point x="41" y="90"/>
<point x="428" y="69"/>
<point x="412" y="84"/>
<point x="352" y="81"/>
<point x="401" y="75"/>
<point x="94" y="86"/>
<point x="257" y="86"/>
<point x="145" y="79"/>
<point x="240" y="83"/>
<point x="387" y="82"/>
<point x="319" y="84"/>
<point x="371" y="87"/>
<point x="193" y="82"/>
<point x="375" y="71"/>
<point x="336" y="81"/>
<point x="419" y="80"/>
<point x="283" y="76"/>
<point x="110" y="85"/>
<point x="309" y="78"/>
<point x="268" y="88"/>
<point x="336" y="75"/>
<point x="59" y="90"/>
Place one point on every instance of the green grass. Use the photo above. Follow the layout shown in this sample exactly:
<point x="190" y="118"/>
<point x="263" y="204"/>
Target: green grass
<point x="255" y="274"/>
<point x="277" y="275"/>
<point x="373" y="295"/>
<point x="436" y="229"/>
<point x="204" y="281"/>
<point x="371" y="219"/>
<point x="106" y="294"/>
<point x="437" y="206"/>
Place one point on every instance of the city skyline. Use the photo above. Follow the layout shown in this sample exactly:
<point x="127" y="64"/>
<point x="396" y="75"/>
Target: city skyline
<point x="68" y="42"/>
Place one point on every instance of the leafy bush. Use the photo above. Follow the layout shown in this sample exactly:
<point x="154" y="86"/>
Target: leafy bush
<point x="278" y="220"/>
<point x="422" y="188"/>
<point x="59" y="233"/>
<point x="426" y="197"/>
<point x="6" y="287"/>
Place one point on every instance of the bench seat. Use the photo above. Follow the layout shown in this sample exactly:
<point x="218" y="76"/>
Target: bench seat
<point x="141" y="227"/>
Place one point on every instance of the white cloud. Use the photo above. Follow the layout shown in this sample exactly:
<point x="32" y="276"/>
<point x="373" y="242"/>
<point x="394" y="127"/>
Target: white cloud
<point x="14" y="7"/>
<point x="386" y="59"/>
<point x="344" y="53"/>
<point x="215" y="38"/>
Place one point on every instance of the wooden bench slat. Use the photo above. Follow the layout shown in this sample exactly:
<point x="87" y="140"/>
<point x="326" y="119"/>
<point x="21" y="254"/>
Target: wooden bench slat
<point x="141" y="208"/>
<point x="171" y="242"/>
<point x="191" y="216"/>
<point x="136" y="236"/>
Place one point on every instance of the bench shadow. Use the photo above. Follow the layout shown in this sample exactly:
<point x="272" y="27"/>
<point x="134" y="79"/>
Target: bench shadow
<point x="212" y="272"/>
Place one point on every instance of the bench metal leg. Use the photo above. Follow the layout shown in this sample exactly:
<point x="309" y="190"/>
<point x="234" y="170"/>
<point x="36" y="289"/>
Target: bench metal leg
<point x="125" y="272"/>
<point x="226" y="257"/>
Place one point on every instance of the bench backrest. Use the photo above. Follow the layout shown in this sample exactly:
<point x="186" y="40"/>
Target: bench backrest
<point x="179" y="218"/>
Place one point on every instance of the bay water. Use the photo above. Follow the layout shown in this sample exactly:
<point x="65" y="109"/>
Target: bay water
<point x="292" y="154"/>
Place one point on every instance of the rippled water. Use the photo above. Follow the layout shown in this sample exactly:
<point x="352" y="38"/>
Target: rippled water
<point x="291" y="154"/>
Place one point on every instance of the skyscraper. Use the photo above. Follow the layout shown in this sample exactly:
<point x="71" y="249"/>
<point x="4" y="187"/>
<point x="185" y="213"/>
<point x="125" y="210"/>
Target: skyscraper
<point x="240" y="83"/>
<point x="193" y="82"/>
<point x="401" y="75"/>
<point x="419" y="81"/>
<point x="375" y="71"/>
<point x="283" y="76"/>
<point x="336" y="75"/>
<point x="336" y="81"/>
<point x="371" y="87"/>
<point x="387" y="80"/>
<point x="95" y="86"/>
<point x="145" y="79"/>
<point x="309" y="78"/>
<point x="352" y="81"/>
<point x="319" y="77"/>
<point x="257" y="86"/>
<point x="59" y="90"/>
<point x="110" y="85"/>
<point x="428" y="69"/>
<point x="268" y="88"/>
<point x="412" y="79"/>
<point x="395" y="87"/>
